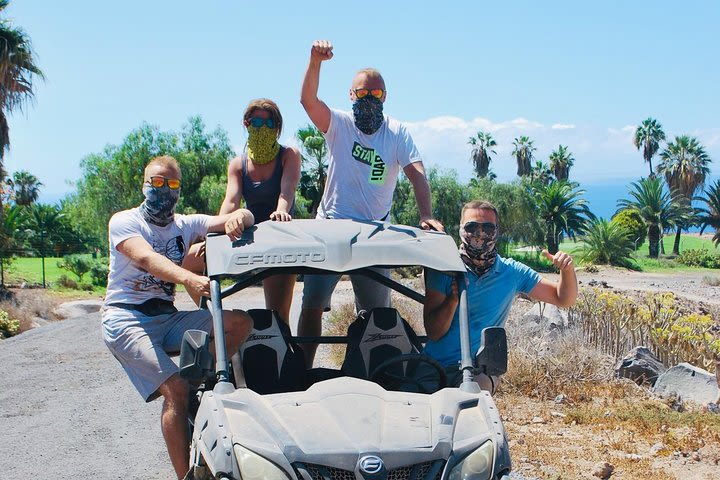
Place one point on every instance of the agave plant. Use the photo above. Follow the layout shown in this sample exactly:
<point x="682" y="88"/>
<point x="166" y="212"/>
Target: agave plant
<point x="607" y="243"/>
<point x="564" y="211"/>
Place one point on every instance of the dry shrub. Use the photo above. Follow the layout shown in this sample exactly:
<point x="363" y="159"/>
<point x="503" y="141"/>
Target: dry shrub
<point x="551" y="364"/>
<point x="711" y="280"/>
<point x="26" y="304"/>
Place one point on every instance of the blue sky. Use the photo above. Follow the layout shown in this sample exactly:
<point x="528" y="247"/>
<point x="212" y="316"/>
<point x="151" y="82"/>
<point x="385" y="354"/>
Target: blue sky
<point x="574" y="73"/>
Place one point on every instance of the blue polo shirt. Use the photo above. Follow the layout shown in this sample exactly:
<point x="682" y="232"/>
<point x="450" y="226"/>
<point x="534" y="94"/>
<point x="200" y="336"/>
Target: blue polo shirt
<point x="489" y="297"/>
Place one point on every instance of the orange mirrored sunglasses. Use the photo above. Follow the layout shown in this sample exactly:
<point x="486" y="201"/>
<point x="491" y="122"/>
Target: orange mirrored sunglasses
<point x="364" y="92"/>
<point x="158" y="181"/>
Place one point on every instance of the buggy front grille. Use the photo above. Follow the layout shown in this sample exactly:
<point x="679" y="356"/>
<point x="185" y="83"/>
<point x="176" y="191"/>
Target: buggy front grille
<point x="419" y="471"/>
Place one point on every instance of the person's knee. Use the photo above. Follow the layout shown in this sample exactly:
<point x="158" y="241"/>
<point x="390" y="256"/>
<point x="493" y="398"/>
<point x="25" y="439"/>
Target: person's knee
<point x="238" y="324"/>
<point x="175" y="391"/>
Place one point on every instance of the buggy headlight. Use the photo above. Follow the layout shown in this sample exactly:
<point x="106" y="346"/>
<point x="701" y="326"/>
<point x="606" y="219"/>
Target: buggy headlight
<point x="476" y="466"/>
<point x="253" y="466"/>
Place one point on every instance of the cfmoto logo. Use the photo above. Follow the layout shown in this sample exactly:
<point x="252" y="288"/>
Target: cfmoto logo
<point x="370" y="464"/>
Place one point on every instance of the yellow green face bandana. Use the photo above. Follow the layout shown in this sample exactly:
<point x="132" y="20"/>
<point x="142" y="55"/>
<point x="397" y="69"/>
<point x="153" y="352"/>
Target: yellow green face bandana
<point x="262" y="144"/>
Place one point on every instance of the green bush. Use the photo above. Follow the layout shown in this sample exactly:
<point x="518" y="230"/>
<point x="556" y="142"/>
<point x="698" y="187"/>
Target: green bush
<point x="631" y="220"/>
<point x="77" y="264"/>
<point x="607" y="243"/>
<point x="67" y="282"/>
<point x="8" y="326"/>
<point x="99" y="272"/>
<point x="699" y="258"/>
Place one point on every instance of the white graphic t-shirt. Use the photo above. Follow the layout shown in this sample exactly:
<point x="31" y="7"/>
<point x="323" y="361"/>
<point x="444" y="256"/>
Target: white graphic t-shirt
<point x="363" y="169"/>
<point x="129" y="284"/>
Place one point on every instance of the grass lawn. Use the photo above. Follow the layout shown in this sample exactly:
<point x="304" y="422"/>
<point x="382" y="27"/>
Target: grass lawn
<point x="30" y="270"/>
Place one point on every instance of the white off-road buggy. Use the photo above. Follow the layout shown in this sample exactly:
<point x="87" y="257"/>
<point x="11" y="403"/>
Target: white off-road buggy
<point x="368" y="420"/>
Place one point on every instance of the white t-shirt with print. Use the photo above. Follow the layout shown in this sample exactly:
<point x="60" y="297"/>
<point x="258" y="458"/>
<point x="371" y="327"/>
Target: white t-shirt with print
<point x="363" y="169"/>
<point x="129" y="284"/>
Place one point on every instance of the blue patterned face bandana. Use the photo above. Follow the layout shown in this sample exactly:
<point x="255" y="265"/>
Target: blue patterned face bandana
<point x="368" y="114"/>
<point x="478" y="247"/>
<point x="159" y="205"/>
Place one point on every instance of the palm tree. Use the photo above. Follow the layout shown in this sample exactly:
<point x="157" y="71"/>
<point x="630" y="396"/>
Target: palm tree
<point x="17" y="73"/>
<point x="608" y="243"/>
<point x="540" y="173"/>
<point x="685" y="164"/>
<point x="12" y="227"/>
<point x="312" y="180"/>
<point x="482" y="144"/>
<point x="658" y="208"/>
<point x="710" y="214"/>
<point x="523" y="153"/>
<point x="25" y="187"/>
<point x="648" y="137"/>
<point x="564" y="211"/>
<point x="560" y="162"/>
<point x="43" y="221"/>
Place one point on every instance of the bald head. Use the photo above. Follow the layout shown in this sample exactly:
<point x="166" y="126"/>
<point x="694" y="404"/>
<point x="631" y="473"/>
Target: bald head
<point x="369" y="78"/>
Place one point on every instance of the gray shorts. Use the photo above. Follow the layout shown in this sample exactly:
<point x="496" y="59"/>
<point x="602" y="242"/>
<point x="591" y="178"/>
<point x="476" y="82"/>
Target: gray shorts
<point x="141" y="343"/>
<point x="369" y="294"/>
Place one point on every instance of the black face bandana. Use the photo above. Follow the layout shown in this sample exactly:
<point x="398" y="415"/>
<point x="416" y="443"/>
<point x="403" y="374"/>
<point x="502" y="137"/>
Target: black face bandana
<point x="478" y="247"/>
<point x="159" y="205"/>
<point x="368" y="114"/>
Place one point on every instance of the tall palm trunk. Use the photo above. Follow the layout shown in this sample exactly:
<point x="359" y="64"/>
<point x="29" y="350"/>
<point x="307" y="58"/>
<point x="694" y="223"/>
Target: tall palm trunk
<point x="676" y="245"/>
<point x="654" y="240"/>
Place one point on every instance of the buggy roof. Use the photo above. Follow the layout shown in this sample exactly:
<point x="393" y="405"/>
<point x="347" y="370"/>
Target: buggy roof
<point x="332" y="245"/>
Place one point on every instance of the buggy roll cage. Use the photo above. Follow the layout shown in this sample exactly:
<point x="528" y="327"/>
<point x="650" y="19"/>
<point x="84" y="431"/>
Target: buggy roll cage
<point x="222" y="260"/>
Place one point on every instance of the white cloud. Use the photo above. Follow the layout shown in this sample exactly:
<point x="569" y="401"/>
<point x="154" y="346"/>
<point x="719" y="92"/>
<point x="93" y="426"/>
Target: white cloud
<point x="562" y="126"/>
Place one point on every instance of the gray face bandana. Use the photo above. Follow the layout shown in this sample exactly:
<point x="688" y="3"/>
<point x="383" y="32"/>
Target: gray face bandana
<point x="478" y="249"/>
<point x="159" y="205"/>
<point x="368" y="114"/>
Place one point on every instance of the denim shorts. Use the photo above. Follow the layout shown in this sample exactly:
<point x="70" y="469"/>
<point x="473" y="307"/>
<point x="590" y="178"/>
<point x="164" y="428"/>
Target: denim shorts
<point x="318" y="290"/>
<point x="141" y="343"/>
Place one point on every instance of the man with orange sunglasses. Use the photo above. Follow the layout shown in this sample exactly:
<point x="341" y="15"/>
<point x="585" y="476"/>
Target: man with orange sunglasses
<point x="139" y="320"/>
<point x="367" y="149"/>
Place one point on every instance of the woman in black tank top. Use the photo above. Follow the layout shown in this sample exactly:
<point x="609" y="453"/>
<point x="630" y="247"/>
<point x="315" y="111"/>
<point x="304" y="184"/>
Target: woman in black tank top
<point x="265" y="176"/>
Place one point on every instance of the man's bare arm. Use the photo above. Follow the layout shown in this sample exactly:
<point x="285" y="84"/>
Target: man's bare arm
<point x="562" y="293"/>
<point x="233" y="224"/>
<point x="438" y="311"/>
<point x="316" y="109"/>
<point x="139" y="251"/>
<point x="415" y="172"/>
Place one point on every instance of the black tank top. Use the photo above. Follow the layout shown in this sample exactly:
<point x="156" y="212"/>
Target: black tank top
<point x="261" y="197"/>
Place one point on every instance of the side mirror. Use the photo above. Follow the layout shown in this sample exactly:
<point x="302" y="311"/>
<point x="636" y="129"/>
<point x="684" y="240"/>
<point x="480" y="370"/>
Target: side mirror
<point x="491" y="357"/>
<point x="196" y="362"/>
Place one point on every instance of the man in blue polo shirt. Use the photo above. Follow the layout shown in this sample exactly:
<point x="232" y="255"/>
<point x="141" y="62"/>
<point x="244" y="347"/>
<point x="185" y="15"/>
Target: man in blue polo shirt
<point x="492" y="284"/>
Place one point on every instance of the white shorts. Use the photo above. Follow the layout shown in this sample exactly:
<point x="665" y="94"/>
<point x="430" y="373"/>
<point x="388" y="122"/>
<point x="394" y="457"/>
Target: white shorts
<point x="141" y="343"/>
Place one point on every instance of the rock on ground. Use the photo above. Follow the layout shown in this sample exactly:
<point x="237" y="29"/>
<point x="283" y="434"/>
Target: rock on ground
<point x="641" y="366"/>
<point x="689" y="383"/>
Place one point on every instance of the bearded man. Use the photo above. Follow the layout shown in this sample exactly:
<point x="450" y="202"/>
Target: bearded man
<point x="492" y="283"/>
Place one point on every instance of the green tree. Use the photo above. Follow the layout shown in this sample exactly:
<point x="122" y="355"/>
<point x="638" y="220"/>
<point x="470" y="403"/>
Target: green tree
<point x="658" y="208"/>
<point x="523" y="151"/>
<point x="45" y="222"/>
<point x="519" y="219"/>
<point x="631" y="220"/>
<point x="314" y="173"/>
<point x="77" y="264"/>
<point x="560" y="162"/>
<point x="540" y="173"/>
<point x="607" y="243"/>
<point x="685" y="164"/>
<point x="482" y="146"/>
<point x="710" y="213"/>
<point x="112" y="180"/>
<point x="18" y="71"/>
<point x="25" y="187"/>
<point x="648" y="137"/>
<point x="12" y="237"/>
<point x="564" y="211"/>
